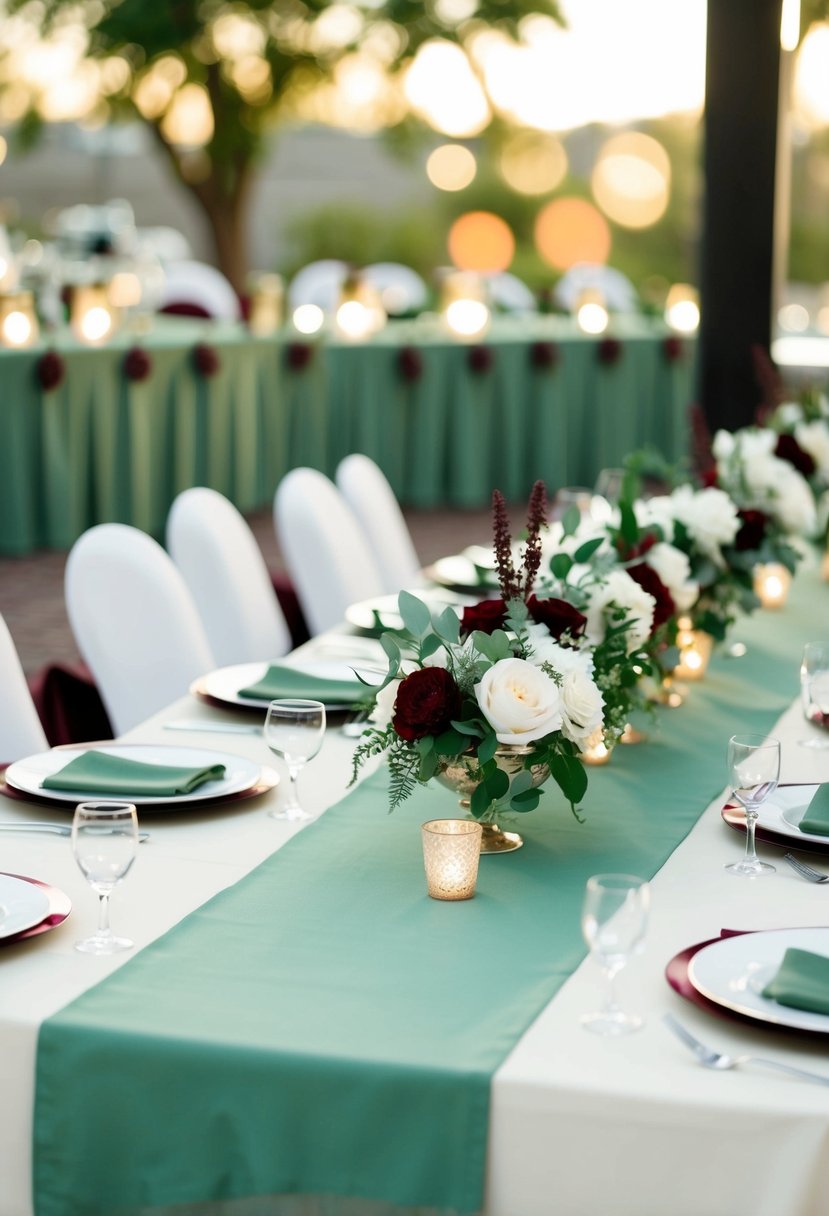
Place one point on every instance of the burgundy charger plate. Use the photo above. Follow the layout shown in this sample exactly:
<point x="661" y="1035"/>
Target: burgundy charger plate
<point x="60" y="906"/>
<point x="735" y="817"/>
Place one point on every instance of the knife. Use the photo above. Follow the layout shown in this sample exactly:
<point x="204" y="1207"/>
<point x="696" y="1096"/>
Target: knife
<point x="221" y="728"/>
<point x="56" y="829"/>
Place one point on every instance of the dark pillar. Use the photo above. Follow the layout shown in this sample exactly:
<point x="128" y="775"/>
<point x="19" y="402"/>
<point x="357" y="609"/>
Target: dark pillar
<point x="737" y="246"/>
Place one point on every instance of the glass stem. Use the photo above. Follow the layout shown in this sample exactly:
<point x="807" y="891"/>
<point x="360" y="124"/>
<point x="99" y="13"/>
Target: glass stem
<point x="103" y="914"/>
<point x="293" y="787"/>
<point x="611" y="1005"/>
<point x="751" y="820"/>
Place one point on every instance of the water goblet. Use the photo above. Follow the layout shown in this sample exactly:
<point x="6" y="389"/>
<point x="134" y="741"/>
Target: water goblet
<point x="104" y="843"/>
<point x="294" y="731"/>
<point x="614" y="918"/>
<point x="814" y="691"/>
<point x="753" y="774"/>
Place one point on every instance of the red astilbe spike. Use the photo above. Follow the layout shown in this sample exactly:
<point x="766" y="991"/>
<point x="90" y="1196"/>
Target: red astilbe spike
<point x="702" y="458"/>
<point x="507" y="578"/>
<point x="536" y="519"/>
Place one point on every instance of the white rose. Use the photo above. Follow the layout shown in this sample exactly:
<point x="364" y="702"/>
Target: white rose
<point x="794" y="502"/>
<point x="813" y="437"/>
<point x="519" y="701"/>
<point x="623" y="591"/>
<point x="710" y="517"/>
<point x="545" y="649"/>
<point x="383" y="708"/>
<point x="656" y="512"/>
<point x="788" y="414"/>
<point x="582" y="705"/>
<point x="674" y="569"/>
<point x="723" y="445"/>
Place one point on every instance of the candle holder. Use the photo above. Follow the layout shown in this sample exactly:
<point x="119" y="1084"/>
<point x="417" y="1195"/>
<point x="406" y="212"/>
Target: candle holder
<point x="91" y="314"/>
<point x="596" y="752"/>
<point x="18" y="319"/>
<point x="695" y="648"/>
<point x="451" y="852"/>
<point x="266" y="305"/>
<point x="360" y="313"/>
<point x="771" y="584"/>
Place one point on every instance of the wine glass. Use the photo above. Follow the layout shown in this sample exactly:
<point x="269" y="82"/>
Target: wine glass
<point x="104" y="842"/>
<point x="753" y="773"/>
<point x="294" y="730"/>
<point x="613" y="920"/>
<point x="814" y="690"/>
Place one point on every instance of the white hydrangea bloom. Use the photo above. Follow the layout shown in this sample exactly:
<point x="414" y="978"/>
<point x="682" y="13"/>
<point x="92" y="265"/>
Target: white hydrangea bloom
<point x="710" y="517"/>
<point x="813" y="437"/>
<point x="674" y="569"/>
<point x="620" y="590"/>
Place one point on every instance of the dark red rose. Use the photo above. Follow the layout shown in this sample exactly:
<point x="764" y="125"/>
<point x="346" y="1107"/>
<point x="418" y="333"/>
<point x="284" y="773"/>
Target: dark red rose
<point x="410" y="363"/>
<point x="137" y="364"/>
<point x="206" y="359"/>
<point x="609" y="351"/>
<point x="427" y="701"/>
<point x="649" y="581"/>
<point x="557" y="615"/>
<point x="752" y="532"/>
<point x="544" y="355"/>
<point x="298" y="355"/>
<point x="50" y="370"/>
<point x="709" y="478"/>
<point x="487" y="616"/>
<point x="480" y="359"/>
<point x="629" y="552"/>
<point x="789" y="449"/>
<point x="673" y="348"/>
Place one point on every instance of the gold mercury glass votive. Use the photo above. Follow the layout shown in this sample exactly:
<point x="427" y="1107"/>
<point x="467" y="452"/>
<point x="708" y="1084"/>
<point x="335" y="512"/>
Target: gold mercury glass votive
<point x="695" y="648"/>
<point x="18" y="319"/>
<point x="771" y="584"/>
<point x="451" y="852"/>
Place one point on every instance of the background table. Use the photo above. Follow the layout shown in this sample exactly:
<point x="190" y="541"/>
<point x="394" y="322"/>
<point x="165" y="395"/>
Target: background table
<point x="445" y="420"/>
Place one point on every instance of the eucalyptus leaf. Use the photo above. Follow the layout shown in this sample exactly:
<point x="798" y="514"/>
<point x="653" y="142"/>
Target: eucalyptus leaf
<point x="487" y="748"/>
<point x="521" y="781"/>
<point x="480" y="801"/>
<point x="527" y="800"/>
<point x="415" y="614"/>
<point x="627" y="523"/>
<point x="586" y="551"/>
<point x="561" y="565"/>
<point x="570" y="777"/>
<point x="497" y="784"/>
<point x="429" y="645"/>
<point x="571" y="520"/>
<point x="471" y="726"/>
<point x="448" y="626"/>
<point x="450" y="743"/>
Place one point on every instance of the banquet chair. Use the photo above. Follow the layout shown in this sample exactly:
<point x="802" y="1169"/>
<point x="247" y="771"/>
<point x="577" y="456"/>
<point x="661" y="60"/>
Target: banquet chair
<point x="200" y="288"/>
<point x="213" y="546"/>
<point x="318" y="283"/>
<point x="367" y="491"/>
<point x="21" y="733"/>
<point x="616" y="288"/>
<point x="134" y="622"/>
<point x="324" y="547"/>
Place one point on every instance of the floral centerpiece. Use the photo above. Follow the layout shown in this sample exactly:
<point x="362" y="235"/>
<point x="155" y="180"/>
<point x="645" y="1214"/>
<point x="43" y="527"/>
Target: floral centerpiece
<point x="506" y="693"/>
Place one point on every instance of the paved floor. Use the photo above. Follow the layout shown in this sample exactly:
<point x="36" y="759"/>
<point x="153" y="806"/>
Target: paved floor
<point x="31" y="587"/>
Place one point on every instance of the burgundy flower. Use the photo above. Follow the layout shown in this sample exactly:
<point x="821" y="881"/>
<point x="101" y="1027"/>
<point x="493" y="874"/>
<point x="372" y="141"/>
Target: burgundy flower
<point x="673" y="348"/>
<point x="752" y="531"/>
<point x="206" y="359"/>
<point x="557" y="615"/>
<point x="649" y="581"/>
<point x="410" y="363"/>
<point x="544" y="355"/>
<point x="137" y="364"/>
<point x="480" y="359"/>
<point x="629" y="552"/>
<point x="50" y="370"/>
<point x="789" y="449"/>
<point x="298" y="355"/>
<point x="487" y="616"/>
<point x="709" y="478"/>
<point x="427" y="701"/>
<point x="609" y="351"/>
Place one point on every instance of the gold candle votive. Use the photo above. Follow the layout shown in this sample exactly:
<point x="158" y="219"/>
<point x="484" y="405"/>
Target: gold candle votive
<point x="18" y="319"/>
<point x="91" y="314"/>
<point x="694" y="651"/>
<point x="771" y="584"/>
<point x="451" y="852"/>
<point x="266" y="305"/>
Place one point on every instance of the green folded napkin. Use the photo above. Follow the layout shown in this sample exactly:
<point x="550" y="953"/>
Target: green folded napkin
<point x="103" y="773"/>
<point x="802" y="981"/>
<point x="280" y="681"/>
<point x="816" y="819"/>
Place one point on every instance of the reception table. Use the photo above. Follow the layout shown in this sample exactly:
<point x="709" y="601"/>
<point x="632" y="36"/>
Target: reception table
<point x="89" y="435"/>
<point x="576" y="1124"/>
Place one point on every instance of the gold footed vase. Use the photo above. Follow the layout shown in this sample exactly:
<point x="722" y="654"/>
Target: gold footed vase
<point x="463" y="775"/>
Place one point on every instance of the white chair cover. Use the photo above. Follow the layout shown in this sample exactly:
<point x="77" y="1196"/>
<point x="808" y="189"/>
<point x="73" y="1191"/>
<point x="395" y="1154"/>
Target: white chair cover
<point x="324" y="548"/>
<point x="509" y="293"/>
<point x="21" y="733"/>
<point x="318" y="283"/>
<point x="618" y="291"/>
<point x="401" y="289"/>
<point x="202" y="285"/>
<point x="213" y="546"/>
<point x="134" y="621"/>
<point x="367" y="491"/>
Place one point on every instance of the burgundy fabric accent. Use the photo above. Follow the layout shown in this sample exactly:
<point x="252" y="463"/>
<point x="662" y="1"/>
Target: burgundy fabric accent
<point x="480" y="359"/>
<point x="69" y="704"/>
<point x="50" y="370"/>
<point x="673" y="348"/>
<point x="544" y="355"/>
<point x="298" y="355"/>
<point x="137" y="364"/>
<point x="206" y="359"/>
<point x="184" y="308"/>
<point x="289" y="603"/>
<point x="609" y="351"/>
<point x="409" y="363"/>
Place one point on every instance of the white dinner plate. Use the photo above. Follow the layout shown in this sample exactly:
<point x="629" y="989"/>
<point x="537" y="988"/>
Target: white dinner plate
<point x="783" y="810"/>
<point x="383" y="608"/>
<point x="224" y="683"/>
<point x="732" y="972"/>
<point x="22" y="905"/>
<point x="459" y="571"/>
<point x="240" y="774"/>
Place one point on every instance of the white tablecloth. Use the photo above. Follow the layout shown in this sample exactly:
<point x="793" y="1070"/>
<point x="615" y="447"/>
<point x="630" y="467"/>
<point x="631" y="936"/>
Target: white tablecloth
<point x="579" y="1124"/>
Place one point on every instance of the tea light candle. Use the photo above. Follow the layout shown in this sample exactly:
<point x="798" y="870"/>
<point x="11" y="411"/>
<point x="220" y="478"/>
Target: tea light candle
<point x="771" y="584"/>
<point x="18" y="319"/>
<point x="694" y="651"/>
<point x="451" y="852"/>
<point x="596" y="752"/>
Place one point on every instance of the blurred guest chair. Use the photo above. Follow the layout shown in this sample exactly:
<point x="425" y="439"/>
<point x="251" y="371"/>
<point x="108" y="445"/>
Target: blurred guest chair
<point x="134" y="622"/>
<point x="324" y="547"/>
<point x="213" y="546"/>
<point x="318" y="283"/>
<point x="507" y="293"/>
<point x="402" y="290"/>
<point x="617" y="290"/>
<point x="21" y="733"/>
<point x="198" y="289"/>
<point x="367" y="491"/>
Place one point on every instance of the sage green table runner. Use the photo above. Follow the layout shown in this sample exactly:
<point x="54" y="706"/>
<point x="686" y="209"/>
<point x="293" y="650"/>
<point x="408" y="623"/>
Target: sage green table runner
<point x="323" y="1027"/>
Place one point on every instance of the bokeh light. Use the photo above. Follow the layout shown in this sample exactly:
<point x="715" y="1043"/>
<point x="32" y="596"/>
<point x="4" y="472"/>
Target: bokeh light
<point x="4" y="147"/>
<point x="451" y="167"/>
<point x="682" y="308"/>
<point x="467" y="318"/>
<point x="631" y="179"/>
<point x="308" y="318"/>
<point x="533" y="164"/>
<point x="570" y="230"/>
<point x="480" y="240"/>
<point x="810" y="86"/>
<point x="189" y="120"/>
<point x="441" y="86"/>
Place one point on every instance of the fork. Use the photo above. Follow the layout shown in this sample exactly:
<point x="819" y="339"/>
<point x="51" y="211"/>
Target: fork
<point x="803" y="870"/>
<point x="717" y="1060"/>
